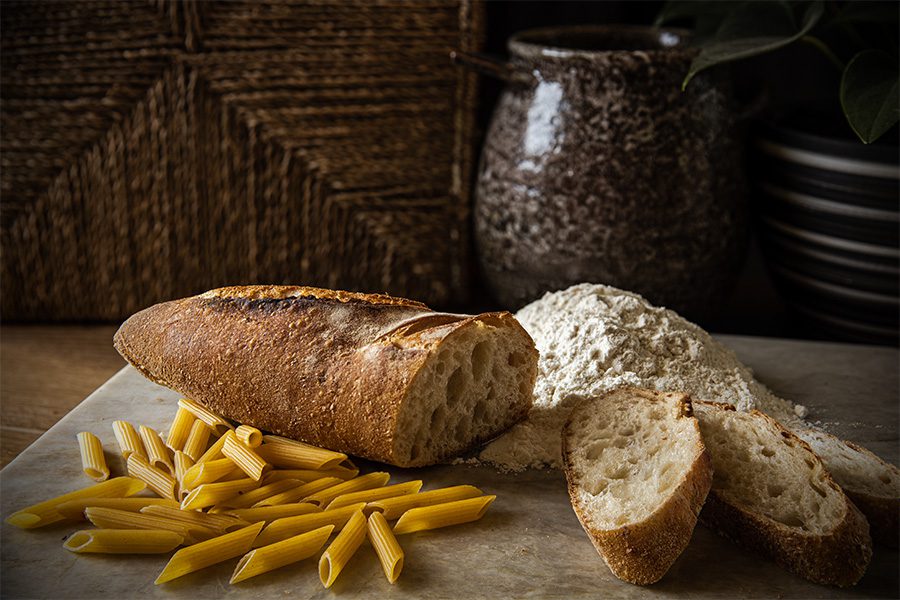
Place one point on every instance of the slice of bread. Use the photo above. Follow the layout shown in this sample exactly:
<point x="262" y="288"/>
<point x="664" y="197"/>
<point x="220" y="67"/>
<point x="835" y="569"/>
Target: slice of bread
<point x="773" y="494"/>
<point x="637" y="475"/>
<point x="872" y="484"/>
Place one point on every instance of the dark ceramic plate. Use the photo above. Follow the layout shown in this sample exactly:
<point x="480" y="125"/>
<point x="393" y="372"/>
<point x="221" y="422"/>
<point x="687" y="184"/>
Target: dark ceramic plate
<point x="880" y="233"/>
<point x="847" y="329"/>
<point x="862" y="249"/>
<point x="877" y="193"/>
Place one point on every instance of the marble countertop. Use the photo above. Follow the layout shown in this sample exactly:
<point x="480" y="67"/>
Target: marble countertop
<point x="529" y="545"/>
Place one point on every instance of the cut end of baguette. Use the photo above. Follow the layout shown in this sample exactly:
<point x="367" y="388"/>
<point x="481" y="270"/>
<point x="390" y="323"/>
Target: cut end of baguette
<point x="638" y="474"/>
<point x="772" y="493"/>
<point x="477" y="383"/>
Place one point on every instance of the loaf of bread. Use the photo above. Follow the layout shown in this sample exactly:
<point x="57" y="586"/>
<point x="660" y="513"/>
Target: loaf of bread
<point x="374" y="376"/>
<point x="771" y="493"/>
<point x="872" y="484"/>
<point x="638" y="474"/>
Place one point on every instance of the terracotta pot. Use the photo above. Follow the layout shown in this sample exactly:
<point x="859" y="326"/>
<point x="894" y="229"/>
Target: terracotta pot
<point x="597" y="167"/>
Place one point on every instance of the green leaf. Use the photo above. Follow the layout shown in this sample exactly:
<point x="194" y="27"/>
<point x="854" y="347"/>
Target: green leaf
<point x="870" y="95"/>
<point x="753" y="28"/>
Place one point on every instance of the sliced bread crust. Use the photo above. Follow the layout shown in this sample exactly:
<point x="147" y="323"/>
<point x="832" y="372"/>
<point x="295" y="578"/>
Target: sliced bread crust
<point x="771" y="493"/>
<point x="872" y="484"/>
<point x="638" y="543"/>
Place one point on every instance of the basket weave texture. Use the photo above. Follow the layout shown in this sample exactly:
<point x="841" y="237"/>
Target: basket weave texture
<point x="156" y="150"/>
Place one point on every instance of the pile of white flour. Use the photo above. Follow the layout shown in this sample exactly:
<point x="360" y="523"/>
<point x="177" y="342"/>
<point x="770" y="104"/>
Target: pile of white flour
<point x="593" y="338"/>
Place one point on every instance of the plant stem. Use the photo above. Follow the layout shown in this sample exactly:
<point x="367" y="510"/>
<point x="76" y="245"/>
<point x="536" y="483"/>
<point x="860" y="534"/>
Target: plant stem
<point x="825" y="50"/>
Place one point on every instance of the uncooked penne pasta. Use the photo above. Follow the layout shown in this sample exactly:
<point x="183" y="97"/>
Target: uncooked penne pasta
<point x="281" y="529"/>
<point x="218" y="425"/>
<point x="128" y="439"/>
<point x="123" y="541"/>
<point x="279" y="554"/>
<point x="183" y="463"/>
<point x="252" y="497"/>
<point x="208" y="472"/>
<point x="218" y="523"/>
<point x="389" y="552"/>
<point x="210" y="494"/>
<point x="74" y="509"/>
<point x="282" y="452"/>
<point x="270" y="513"/>
<point x="309" y="474"/>
<point x="299" y="493"/>
<point x="249" y="436"/>
<point x="208" y="553"/>
<point x="112" y="518"/>
<point x="380" y="493"/>
<point x="343" y="548"/>
<point x="45" y="513"/>
<point x="156" y="479"/>
<point x="443" y="515"/>
<point x="364" y="482"/>
<point x="93" y="463"/>
<point x="180" y="429"/>
<point x="157" y="452"/>
<point x="392" y="508"/>
<point x="245" y="458"/>
<point x="197" y="440"/>
<point x="215" y="451"/>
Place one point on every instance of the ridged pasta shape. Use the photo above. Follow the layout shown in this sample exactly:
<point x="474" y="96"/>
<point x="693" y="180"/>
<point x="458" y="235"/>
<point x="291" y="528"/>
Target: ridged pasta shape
<point x="215" y="451"/>
<point x="281" y="529"/>
<point x="128" y="439"/>
<point x="218" y="425"/>
<point x="277" y="555"/>
<point x="299" y="493"/>
<point x="208" y="553"/>
<point x="45" y="513"/>
<point x="209" y="472"/>
<point x="390" y="491"/>
<point x="180" y="429"/>
<point x="443" y="515"/>
<point x="364" y="482"/>
<point x="289" y="454"/>
<point x="182" y="463"/>
<point x="123" y="541"/>
<point x="156" y="479"/>
<point x="157" y="451"/>
<point x="307" y="475"/>
<point x="342" y="549"/>
<point x="218" y="523"/>
<point x="388" y="549"/>
<point x="249" y="436"/>
<point x="245" y="458"/>
<point x="74" y="509"/>
<point x="111" y="518"/>
<point x="392" y="508"/>
<point x="267" y="491"/>
<point x="93" y="462"/>
<point x="210" y="494"/>
<point x="271" y="513"/>
<point x="197" y="440"/>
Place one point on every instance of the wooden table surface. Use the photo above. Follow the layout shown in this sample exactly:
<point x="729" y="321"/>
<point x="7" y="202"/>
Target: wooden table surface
<point x="45" y="371"/>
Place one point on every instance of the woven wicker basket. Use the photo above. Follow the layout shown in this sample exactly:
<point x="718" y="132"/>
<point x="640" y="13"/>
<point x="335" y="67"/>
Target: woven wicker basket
<point x="152" y="151"/>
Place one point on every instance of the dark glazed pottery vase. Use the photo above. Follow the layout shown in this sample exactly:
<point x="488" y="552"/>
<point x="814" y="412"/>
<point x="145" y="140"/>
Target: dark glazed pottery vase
<point x="598" y="168"/>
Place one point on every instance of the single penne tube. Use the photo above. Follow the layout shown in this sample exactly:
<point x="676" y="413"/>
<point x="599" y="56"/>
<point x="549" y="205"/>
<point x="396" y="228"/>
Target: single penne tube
<point x="157" y="452"/>
<point x="299" y="493"/>
<point x="271" y="513"/>
<point x="246" y="459"/>
<point x="380" y="493"/>
<point x="128" y="439"/>
<point x="443" y="515"/>
<point x="93" y="463"/>
<point x="282" y="452"/>
<point x="180" y="429"/>
<point x="342" y="549"/>
<point x="364" y="482"/>
<point x="74" y="509"/>
<point x="259" y="494"/>
<point x="197" y="440"/>
<point x="208" y="553"/>
<point x="210" y="494"/>
<point x="215" y="451"/>
<point x="281" y="529"/>
<point x="389" y="552"/>
<point x="308" y="475"/>
<point x="182" y="463"/>
<point x="216" y="423"/>
<point x="123" y="541"/>
<point x="277" y="555"/>
<point x="112" y="518"/>
<point x="208" y="472"/>
<point x="45" y="513"/>
<point x="392" y="508"/>
<point x="157" y="480"/>
<point x="249" y="436"/>
<point x="218" y="523"/>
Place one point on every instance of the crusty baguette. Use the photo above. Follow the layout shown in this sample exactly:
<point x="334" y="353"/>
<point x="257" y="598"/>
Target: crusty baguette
<point x="872" y="484"/>
<point x="771" y="493"/>
<point x="374" y="376"/>
<point x="637" y="473"/>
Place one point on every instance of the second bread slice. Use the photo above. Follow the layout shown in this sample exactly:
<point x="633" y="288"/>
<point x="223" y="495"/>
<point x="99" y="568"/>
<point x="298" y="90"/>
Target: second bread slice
<point x="638" y="474"/>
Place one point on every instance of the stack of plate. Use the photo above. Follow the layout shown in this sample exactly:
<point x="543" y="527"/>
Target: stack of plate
<point x="830" y="217"/>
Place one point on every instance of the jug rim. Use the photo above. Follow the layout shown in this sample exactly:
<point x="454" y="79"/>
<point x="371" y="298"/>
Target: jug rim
<point x="572" y="40"/>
